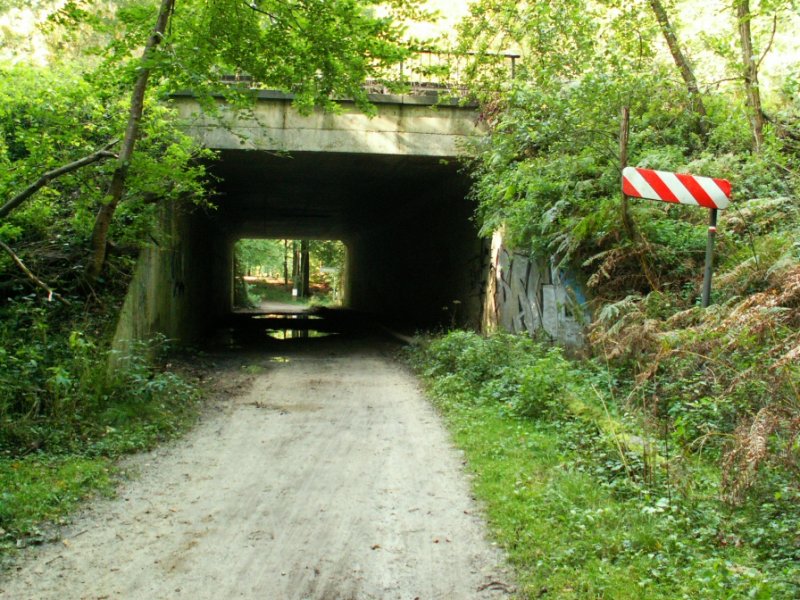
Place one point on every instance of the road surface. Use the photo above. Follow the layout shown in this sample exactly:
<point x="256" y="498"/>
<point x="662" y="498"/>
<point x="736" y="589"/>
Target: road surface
<point x="321" y="473"/>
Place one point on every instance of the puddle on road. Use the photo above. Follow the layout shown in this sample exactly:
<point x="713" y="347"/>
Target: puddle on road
<point x="284" y="316"/>
<point x="296" y="334"/>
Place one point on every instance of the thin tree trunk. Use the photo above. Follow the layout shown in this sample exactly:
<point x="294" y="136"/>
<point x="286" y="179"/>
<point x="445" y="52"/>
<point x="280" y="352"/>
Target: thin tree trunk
<point x="295" y="265"/>
<point x="627" y="220"/>
<point x="286" y="263"/>
<point x="624" y="135"/>
<point x="305" y="270"/>
<point x="750" y="63"/>
<point x="683" y="66"/>
<point x="117" y="186"/>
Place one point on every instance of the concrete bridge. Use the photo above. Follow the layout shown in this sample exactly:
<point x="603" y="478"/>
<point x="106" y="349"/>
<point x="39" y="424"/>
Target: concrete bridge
<point x="389" y="187"/>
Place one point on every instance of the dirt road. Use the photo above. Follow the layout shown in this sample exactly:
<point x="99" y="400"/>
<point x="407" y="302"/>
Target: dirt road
<point x="326" y="476"/>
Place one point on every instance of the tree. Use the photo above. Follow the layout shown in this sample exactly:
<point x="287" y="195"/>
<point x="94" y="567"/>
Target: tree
<point x="683" y="65"/>
<point x="117" y="186"/>
<point x="750" y="71"/>
<point x="57" y="138"/>
<point x="317" y="49"/>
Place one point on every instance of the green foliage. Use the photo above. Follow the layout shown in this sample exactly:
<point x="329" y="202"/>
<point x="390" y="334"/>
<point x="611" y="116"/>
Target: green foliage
<point x="256" y="256"/>
<point x="57" y="393"/>
<point x="548" y="173"/>
<point x="64" y="412"/>
<point x="328" y="253"/>
<point x="525" y="378"/>
<point x="584" y="508"/>
<point x="51" y="117"/>
<point x="319" y="51"/>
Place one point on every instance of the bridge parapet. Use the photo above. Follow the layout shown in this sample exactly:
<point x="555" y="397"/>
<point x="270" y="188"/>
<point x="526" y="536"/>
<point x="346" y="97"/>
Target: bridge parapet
<point x="403" y="125"/>
<point x="423" y="73"/>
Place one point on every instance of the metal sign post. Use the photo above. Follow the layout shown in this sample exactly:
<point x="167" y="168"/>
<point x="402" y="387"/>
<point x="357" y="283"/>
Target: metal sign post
<point x="681" y="188"/>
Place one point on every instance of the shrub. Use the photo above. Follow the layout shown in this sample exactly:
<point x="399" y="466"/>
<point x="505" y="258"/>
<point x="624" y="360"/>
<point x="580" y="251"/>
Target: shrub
<point x="522" y="376"/>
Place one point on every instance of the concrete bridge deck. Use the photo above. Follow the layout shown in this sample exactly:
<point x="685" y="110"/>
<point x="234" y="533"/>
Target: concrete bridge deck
<point x="401" y="126"/>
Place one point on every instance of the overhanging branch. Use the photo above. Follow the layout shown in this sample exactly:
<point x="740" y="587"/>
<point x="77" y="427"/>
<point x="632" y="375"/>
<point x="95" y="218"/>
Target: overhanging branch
<point x="101" y="154"/>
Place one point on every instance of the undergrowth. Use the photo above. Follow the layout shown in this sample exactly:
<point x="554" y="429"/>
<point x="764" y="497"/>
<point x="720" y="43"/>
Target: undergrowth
<point x="66" y="413"/>
<point x="594" y="497"/>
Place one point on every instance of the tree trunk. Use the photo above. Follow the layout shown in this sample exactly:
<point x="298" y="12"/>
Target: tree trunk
<point x="286" y="263"/>
<point x="627" y="220"/>
<point x="305" y="271"/>
<point x="295" y="265"/>
<point x="624" y="135"/>
<point x="117" y="186"/>
<point x="683" y="66"/>
<point x="750" y="73"/>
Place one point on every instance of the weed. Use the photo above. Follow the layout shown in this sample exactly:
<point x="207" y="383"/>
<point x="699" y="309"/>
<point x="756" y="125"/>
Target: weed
<point x="584" y="496"/>
<point x="64" y="414"/>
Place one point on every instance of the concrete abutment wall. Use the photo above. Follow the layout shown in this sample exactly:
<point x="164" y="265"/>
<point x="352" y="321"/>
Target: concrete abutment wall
<point x="171" y="292"/>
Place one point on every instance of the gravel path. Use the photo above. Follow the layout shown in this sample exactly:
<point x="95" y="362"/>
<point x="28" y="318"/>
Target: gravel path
<point x="328" y="476"/>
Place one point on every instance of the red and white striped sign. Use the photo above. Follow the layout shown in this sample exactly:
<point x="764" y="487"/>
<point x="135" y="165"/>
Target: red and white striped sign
<point x="676" y="187"/>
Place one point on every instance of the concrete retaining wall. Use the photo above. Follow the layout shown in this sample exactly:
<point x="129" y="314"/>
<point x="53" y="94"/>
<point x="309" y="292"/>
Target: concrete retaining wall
<point x="170" y="294"/>
<point x="531" y="296"/>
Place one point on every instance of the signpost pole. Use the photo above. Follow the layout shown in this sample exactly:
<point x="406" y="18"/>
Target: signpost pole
<point x="712" y="232"/>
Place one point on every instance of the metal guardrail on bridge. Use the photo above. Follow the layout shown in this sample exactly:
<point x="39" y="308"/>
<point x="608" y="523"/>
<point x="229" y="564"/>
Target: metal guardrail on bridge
<point x="426" y="72"/>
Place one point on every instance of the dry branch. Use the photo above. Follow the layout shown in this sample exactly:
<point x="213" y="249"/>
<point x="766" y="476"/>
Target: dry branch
<point x="39" y="283"/>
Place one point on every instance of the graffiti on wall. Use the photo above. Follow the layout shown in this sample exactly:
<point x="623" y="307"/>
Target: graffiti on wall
<point x="533" y="296"/>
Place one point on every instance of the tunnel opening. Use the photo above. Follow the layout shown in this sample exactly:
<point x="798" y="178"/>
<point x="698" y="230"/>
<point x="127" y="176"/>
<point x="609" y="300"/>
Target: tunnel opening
<point x="408" y="251"/>
<point x="280" y="287"/>
<point x="279" y="275"/>
<point x="388" y="187"/>
<point x="413" y="259"/>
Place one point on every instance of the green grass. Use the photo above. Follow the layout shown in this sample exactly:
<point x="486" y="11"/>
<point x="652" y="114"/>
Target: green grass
<point x="576" y="521"/>
<point x="571" y="534"/>
<point x="277" y="292"/>
<point x="43" y="489"/>
<point x="271" y="292"/>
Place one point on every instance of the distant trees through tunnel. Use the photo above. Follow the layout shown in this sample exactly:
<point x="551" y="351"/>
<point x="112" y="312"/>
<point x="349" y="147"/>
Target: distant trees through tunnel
<point x="283" y="271"/>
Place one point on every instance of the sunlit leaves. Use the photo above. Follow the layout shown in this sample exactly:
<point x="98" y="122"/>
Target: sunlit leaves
<point x="50" y="117"/>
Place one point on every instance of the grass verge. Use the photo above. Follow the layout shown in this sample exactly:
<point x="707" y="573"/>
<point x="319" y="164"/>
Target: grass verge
<point x="581" y="516"/>
<point x="39" y="491"/>
<point x="53" y="460"/>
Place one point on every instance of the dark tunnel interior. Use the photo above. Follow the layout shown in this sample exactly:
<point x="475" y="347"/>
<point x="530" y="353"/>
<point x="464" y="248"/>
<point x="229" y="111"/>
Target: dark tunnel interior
<point x="414" y="256"/>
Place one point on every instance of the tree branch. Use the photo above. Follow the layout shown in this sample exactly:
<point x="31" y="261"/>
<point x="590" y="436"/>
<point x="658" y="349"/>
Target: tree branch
<point x="769" y="45"/>
<point x="254" y="7"/>
<point x="275" y="19"/>
<point x="39" y="283"/>
<point x="101" y="154"/>
<point x="719" y="82"/>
